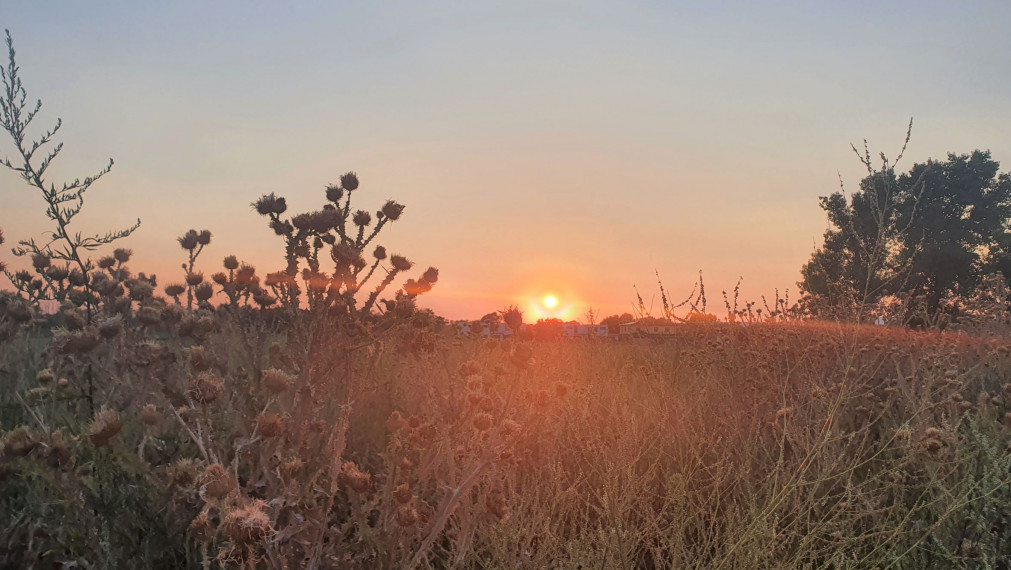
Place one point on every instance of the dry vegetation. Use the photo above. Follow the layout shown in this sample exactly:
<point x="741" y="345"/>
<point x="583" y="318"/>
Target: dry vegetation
<point x="316" y="418"/>
<point x="729" y="447"/>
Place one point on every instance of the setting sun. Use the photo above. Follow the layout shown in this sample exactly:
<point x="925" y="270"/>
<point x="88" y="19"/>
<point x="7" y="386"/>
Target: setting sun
<point x="550" y="301"/>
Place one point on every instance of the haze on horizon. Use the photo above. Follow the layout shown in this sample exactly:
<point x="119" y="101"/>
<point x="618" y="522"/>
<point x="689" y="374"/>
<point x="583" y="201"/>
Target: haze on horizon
<point x="566" y="148"/>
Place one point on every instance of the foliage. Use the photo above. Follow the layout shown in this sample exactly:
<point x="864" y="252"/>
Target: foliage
<point x="63" y="203"/>
<point x="922" y="236"/>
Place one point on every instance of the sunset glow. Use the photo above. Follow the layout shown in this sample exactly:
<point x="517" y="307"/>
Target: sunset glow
<point x="550" y="301"/>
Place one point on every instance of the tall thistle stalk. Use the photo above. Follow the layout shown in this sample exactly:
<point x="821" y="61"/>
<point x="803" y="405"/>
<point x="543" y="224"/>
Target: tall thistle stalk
<point x="63" y="202"/>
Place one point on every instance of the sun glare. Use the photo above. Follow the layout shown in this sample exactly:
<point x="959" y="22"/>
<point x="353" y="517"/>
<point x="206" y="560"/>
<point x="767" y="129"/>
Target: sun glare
<point x="550" y="301"/>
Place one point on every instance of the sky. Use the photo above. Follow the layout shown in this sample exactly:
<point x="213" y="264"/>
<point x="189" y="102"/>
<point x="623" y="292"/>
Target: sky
<point x="566" y="148"/>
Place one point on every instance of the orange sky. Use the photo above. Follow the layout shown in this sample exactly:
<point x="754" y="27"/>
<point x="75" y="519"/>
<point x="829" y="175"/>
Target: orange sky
<point x="571" y="148"/>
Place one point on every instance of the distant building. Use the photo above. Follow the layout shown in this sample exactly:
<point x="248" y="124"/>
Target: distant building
<point x="647" y="327"/>
<point x="501" y="331"/>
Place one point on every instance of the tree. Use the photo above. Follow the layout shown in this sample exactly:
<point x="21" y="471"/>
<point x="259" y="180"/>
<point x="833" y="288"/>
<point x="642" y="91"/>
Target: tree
<point x="930" y="233"/>
<point x="858" y="264"/>
<point x="962" y="213"/>
<point x="614" y="322"/>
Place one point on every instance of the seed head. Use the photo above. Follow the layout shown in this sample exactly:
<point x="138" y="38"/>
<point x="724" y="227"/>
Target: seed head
<point x="189" y="240"/>
<point x="204" y="237"/>
<point x="111" y="327"/>
<point x="392" y="210"/>
<point x="402" y="494"/>
<point x="400" y="263"/>
<point x="57" y="273"/>
<point x="270" y="204"/>
<point x="183" y="473"/>
<point x="482" y="421"/>
<point x="362" y="218"/>
<point x="150" y="415"/>
<point x="203" y="292"/>
<point x="496" y="504"/>
<point x="149" y="315"/>
<point x="334" y="193"/>
<point x="216" y="482"/>
<point x="104" y="427"/>
<point x="247" y="525"/>
<point x="40" y="261"/>
<point x="349" y="181"/>
<point x="276" y="380"/>
<point x="205" y="388"/>
<point x="45" y="377"/>
<point x="355" y="478"/>
<point x="396" y="422"/>
<point x="269" y="425"/>
<point x="106" y="262"/>
<point x="509" y="427"/>
<point x="379" y="253"/>
<point x="407" y="516"/>
<point x="174" y="290"/>
<point x="200" y="528"/>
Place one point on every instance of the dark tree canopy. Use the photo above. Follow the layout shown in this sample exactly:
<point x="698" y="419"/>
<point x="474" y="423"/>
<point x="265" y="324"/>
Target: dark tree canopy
<point x="933" y="232"/>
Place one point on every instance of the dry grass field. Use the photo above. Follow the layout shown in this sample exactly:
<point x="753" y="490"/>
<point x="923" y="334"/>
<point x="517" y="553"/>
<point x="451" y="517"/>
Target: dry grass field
<point x="220" y="438"/>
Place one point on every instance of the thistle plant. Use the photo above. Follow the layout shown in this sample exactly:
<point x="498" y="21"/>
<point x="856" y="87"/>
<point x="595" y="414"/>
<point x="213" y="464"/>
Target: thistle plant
<point x="345" y="236"/>
<point x="63" y="202"/>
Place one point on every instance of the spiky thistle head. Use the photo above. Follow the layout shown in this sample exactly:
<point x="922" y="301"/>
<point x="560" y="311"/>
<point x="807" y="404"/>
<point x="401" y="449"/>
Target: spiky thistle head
<point x="392" y="210"/>
<point x="400" y="263"/>
<point x="349" y="181"/>
<point x="105" y="426"/>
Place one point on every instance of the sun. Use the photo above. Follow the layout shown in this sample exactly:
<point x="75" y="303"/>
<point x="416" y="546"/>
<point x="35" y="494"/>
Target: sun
<point x="550" y="301"/>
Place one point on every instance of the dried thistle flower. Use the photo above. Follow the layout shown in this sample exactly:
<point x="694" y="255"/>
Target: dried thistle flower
<point x="402" y="494"/>
<point x="932" y="440"/>
<point x="150" y="415"/>
<point x="203" y="292"/>
<point x="247" y="525"/>
<point x="45" y="376"/>
<point x="204" y="237"/>
<point x="200" y="528"/>
<point x="407" y="516"/>
<point x="122" y="254"/>
<point x="216" y="482"/>
<point x="19" y="442"/>
<point x="183" y="473"/>
<point x="277" y="381"/>
<point x="400" y="263"/>
<point x="334" y="193"/>
<point x="354" y="478"/>
<point x="392" y="210"/>
<point x="205" y="388"/>
<point x="149" y="315"/>
<point x="496" y="504"/>
<point x="269" y="425"/>
<point x="105" y="426"/>
<point x="111" y="327"/>
<point x="396" y="422"/>
<point x="189" y="240"/>
<point x="40" y="261"/>
<point x="349" y="181"/>
<point x="482" y="421"/>
<point x="379" y="253"/>
<point x="509" y="427"/>
<point x="198" y="358"/>
<point x="291" y="468"/>
<point x="362" y="218"/>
